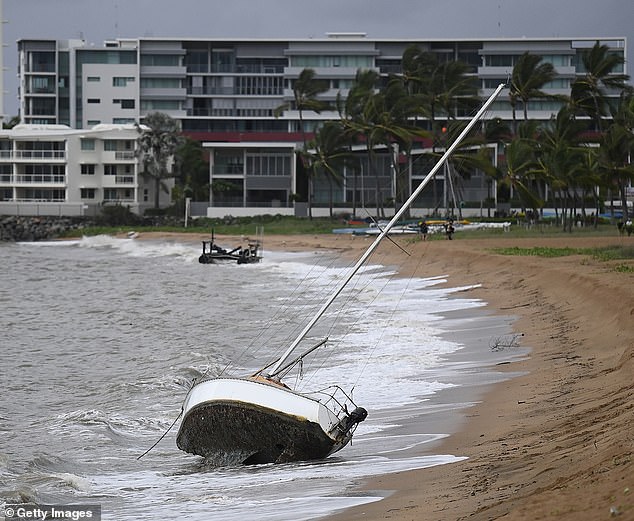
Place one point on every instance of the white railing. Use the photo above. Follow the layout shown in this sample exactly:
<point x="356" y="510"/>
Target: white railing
<point x="40" y="179"/>
<point x="124" y="156"/>
<point x="36" y="154"/>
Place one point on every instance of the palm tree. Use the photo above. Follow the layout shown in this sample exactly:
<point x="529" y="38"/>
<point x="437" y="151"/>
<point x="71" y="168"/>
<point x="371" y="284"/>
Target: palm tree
<point x="519" y="166"/>
<point x="306" y="90"/>
<point x="589" y="93"/>
<point x="328" y="153"/>
<point x="384" y="117"/>
<point x="357" y="118"/>
<point x="616" y="147"/>
<point x="561" y="160"/>
<point x="441" y="89"/>
<point x="157" y="143"/>
<point x="528" y="77"/>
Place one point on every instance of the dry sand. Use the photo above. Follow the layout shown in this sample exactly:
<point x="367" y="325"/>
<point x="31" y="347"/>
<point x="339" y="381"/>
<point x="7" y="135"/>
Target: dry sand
<point x="556" y="443"/>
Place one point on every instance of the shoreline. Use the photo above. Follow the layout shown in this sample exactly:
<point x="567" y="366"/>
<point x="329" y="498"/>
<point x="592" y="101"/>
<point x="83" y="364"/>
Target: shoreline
<point x="555" y="442"/>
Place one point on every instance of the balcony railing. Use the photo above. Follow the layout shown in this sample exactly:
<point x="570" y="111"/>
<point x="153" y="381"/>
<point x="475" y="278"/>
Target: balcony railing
<point x="124" y="156"/>
<point x="57" y="179"/>
<point x="34" y="154"/>
<point x="118" y="200"/>
<point x="124" y="179"/>
<point x="233" y="169"/>
<point x="39" y="200"/>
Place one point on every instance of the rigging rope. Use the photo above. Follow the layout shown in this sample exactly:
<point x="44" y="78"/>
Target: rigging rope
<point x="163" y="436"/>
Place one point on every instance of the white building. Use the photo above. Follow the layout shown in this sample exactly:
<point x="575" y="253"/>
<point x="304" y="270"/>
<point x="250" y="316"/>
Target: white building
<point x="56" y="170"/>
<point x="225" y="92"/>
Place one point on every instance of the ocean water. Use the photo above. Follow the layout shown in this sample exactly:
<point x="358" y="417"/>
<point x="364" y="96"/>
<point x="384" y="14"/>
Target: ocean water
<point x="101" y="338"/>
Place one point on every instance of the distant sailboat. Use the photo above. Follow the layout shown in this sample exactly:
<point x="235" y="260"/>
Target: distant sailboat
<point x="259" y="419"/>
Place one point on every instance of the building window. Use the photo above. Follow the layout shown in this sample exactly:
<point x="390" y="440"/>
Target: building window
<point x="110" y="194"/>
<point x="269" y="164"/>
<point x="42" y="85"/>
<point x="146" y="196"/>
<point x="87" y="144"/>
<point x="125" y="103"/>
<point x="123" y="121"/>
<point x="93" y="100"/>
<point x="118" y="81"/>
<point x="110" y="145"/>
<point x="93" y="79"/>
<point x="160" y="105"/>
<point x="87" y="193"/>
<point x="160" y="60"/>
<point x="110" y="169"/>
<point x="87" y="169"/>
<point x="42" y="107"/>
<point x="93" y="122"/>
<point x="351" y="61"/>
<point x="160" y="83"/>
<point x="501" y="60"/>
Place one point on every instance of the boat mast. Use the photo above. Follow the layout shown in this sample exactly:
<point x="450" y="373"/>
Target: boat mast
<point x="276" y="368"/>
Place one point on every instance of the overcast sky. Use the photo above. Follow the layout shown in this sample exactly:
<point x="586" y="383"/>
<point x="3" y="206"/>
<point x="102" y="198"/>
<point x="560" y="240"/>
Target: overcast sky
<point x="98" y="20"/>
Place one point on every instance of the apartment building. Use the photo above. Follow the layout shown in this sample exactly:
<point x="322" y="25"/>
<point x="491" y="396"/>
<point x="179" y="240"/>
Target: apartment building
<point x="225" y="93"/>
<point x="57" y="170"/>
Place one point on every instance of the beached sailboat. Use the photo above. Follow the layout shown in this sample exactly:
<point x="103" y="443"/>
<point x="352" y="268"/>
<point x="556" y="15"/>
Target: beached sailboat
<point x="259" y="419"/>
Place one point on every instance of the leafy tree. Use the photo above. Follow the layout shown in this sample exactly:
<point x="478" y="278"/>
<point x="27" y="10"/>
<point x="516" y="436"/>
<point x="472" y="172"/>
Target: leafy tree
<point x="192" y="167"/>
<point x="159" y="138"/>
<point x="15" y="120"/>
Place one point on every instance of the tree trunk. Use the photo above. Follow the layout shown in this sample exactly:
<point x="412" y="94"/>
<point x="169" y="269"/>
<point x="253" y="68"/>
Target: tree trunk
<point x="625" y="211"/>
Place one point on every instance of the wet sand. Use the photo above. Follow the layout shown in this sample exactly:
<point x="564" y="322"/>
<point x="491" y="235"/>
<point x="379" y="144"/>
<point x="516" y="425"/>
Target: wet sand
<point x="555" y="443"/>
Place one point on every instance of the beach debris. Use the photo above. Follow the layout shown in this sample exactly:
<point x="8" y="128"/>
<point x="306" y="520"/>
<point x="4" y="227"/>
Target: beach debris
<point x="505" y="342"/>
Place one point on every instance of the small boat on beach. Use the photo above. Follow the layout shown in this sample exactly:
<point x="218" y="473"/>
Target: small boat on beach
<point x="258" y="418"/>
<point x="214" y="254"/>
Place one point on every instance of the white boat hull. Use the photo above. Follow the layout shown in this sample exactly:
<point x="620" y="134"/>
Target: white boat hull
<point x="242" y="420"/>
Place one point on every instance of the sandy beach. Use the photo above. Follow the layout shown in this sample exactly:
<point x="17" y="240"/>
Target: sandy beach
<point x="555" y="443"/>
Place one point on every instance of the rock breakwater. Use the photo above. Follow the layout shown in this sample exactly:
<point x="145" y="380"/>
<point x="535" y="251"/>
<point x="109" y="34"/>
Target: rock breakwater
<point x="16" y="228"/>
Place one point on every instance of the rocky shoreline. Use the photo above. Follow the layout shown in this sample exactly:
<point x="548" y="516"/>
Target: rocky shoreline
<point x="17" y="228"/>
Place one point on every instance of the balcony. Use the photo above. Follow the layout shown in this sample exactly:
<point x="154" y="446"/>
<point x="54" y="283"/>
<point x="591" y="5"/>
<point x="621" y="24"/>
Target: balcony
<point x="232" y="170"/>
<point x="118" y="200"/>
<point x="34" y="155"/>
<point x="40" y="179"/>
<point x="163" y="71"/>
<point x="111" y="156"/>
<point x="157" y="93"/>
<point x="124" y="156"/>
<point x="124" y="180"/>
